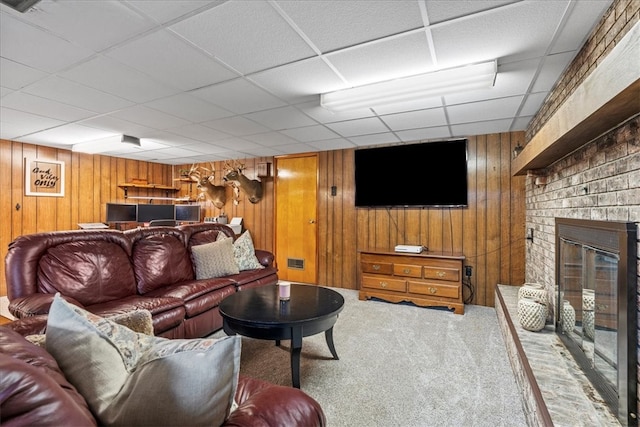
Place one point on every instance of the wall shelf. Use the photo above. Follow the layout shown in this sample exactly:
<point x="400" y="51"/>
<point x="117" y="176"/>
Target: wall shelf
<point x="167" y="189"/>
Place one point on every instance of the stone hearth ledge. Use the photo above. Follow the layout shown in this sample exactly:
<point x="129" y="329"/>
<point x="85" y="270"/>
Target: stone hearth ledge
<point x="555" y="392"/>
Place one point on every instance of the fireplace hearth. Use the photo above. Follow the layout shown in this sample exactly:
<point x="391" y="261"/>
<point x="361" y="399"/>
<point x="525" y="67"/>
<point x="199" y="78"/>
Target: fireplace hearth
<point x="596" y="306"/>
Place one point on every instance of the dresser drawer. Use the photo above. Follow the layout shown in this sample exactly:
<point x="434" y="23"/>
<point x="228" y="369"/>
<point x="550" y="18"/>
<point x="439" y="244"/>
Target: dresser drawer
<point x="433" y="289"/>
<point x="377" y="267"/>
<point x="442" y="273"/>
<point x="407" y="270"/>
<point x="377" y="282"/>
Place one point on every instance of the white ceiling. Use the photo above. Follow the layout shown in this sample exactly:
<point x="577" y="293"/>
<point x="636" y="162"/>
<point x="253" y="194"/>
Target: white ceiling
<point x="215" y="80"/>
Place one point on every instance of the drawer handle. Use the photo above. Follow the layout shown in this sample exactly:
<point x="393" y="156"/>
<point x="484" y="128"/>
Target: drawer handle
<point x="383" y="284"/>
<point x="441" y="273"/>
<point x="376" y="267"/>
<point x="406" y="271"/>
<point x="433" y="290"/>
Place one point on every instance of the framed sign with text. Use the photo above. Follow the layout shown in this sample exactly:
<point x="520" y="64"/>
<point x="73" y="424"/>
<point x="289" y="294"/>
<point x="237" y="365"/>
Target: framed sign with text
<point x="44" y="177"/>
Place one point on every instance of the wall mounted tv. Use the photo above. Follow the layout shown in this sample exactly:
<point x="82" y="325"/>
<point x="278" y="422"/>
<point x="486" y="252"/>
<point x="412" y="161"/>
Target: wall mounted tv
<point x="149" y="212"/>
<point x="188" y="213"/>
<point x="122" y="212"/>
<point x="430" y="174"/>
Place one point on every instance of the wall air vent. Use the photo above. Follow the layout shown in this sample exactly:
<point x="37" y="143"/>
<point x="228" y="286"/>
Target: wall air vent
<point x="295" y="263"/>
<point x="20" y="5"/>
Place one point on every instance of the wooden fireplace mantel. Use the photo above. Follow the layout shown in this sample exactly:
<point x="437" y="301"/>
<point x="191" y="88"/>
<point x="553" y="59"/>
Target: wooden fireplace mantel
<point x="607" y="97"/>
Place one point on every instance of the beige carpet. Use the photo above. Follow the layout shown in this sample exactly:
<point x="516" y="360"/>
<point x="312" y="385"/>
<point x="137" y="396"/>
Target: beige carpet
<point x="401" y="365"/>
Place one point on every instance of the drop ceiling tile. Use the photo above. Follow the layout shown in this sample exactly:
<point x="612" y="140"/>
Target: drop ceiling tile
<point x="165" y="11"/>
<point x="296" y="148"/>
<point x="484" y="110"/>
<point x="323" y="115"/>
<point x="281" y="118"/>
<point x="504" y="34"/>
<point x="421" y="104"/>
<point x="44" y="107"/>
<point x="332" y="144"/>
<point x="16" y="76"/>
<point x="265" y="152"/>
<point x="481" y="128"/>
<point x="424" y="133"/>
<point x="310" y="133"/>
<point x="5" y="91"/>
<point x="374" y="139"/>
<point x="552" y="67"/>
<point x="263" y="40"/>
<point x="205" y="148"/>
<point x="174" y="152"/>
<point x="145" y="116"/>
<point x="271" y="139"/>
<point x="238" y="96"/>
<point x="69" y="134"/>
<point x="415" y="119"/>
<point x="199" y="133"/>
<point x="117" y="79"/>
<point x="170" y="59"/>
<point x="386" y="60"/>
<point x="14" y="124"/>
<point x="93" y="24"/>
<point x="521" y="123"/>
<point x="439" y="11"/>
<point x="79" y="96"/>
<point x="532" y="103"/>
<point x="299" y="82"/>
<point x="238" y="144"/>
<point x="117" y="125"/>
<point x="351" y="22"/>
<point x="35" y="48"/>
<point x="358" y="127"/>
<point x="189" y="107"/>
<point x="237" y="126"/>
<point x="584" y="15"/>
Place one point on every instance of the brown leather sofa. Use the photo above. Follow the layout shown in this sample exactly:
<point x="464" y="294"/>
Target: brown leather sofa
<point x="34" y="391"/>
<point x="109" y="272"/>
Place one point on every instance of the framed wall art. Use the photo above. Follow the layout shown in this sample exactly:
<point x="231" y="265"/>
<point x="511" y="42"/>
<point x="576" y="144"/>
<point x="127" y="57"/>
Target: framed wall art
<point x="44" y="177"/>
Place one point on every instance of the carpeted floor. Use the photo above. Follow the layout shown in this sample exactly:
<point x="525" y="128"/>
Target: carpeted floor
<point x="401" y="365"/>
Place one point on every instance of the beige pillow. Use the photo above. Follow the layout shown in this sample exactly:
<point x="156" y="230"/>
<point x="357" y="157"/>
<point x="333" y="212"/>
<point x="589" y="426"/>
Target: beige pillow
<point x="214" y="259"/>
<point x="244" y="252"/>
<point x="129" y="378"/>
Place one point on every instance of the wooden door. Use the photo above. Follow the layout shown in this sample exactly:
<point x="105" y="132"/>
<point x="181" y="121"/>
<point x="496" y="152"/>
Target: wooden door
<point x="296" y="188"/>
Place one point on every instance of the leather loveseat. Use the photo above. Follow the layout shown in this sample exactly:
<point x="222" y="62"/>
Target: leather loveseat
<point x="35" y="391"/>
<point x="109" y="272"/>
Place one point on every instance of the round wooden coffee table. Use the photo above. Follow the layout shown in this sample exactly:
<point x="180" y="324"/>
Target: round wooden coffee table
<point x="259" y="313"/>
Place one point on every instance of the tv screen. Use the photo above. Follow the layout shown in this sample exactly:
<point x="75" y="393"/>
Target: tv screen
<point x="188" y="213"/>
<point x="121" y="212"/>
<point x="149" y="212"/>
<point x="430" y="174"/>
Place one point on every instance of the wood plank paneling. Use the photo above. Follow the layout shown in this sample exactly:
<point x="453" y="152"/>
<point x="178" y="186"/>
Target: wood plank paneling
<point x="489" y="231"/>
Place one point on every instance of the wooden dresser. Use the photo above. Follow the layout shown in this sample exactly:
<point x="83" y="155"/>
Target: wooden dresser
<point x="426" y="279"/>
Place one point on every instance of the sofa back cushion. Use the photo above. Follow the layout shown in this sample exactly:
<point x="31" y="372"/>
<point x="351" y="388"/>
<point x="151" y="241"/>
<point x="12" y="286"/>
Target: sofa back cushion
<point x="90" y="271"/>
<point x="160" y="259"/>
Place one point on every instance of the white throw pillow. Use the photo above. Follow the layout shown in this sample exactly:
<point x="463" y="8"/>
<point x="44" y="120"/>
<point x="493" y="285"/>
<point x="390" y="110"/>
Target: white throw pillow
<point x="128" y="378"/>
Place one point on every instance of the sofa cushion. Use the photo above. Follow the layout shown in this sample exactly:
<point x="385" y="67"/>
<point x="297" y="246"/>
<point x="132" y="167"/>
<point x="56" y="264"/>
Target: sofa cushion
<point x="91" y="272"/>
<point x="118" y="370"/>
<point x="245" y="253"/>
<point x="160" y="260"/>
<point x="214" y="259"/>
<point x="33" y="388"/>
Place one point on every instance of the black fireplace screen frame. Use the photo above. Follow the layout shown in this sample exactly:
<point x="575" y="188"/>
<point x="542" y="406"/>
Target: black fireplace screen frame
<point x="620" y="239"/>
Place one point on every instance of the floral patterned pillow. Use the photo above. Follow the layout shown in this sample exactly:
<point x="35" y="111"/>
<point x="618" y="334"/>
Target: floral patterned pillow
<point x="244" y="252"/>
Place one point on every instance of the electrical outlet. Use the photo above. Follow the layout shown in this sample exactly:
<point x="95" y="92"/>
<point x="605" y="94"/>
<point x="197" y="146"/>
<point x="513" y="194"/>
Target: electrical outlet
<point x="468" y="270"/>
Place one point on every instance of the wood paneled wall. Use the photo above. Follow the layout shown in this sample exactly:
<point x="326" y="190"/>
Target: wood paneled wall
<point x="489" y="232"/>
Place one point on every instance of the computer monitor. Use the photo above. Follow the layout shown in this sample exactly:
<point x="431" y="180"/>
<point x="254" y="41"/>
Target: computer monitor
<point x="149" y="212"/>
<point x="188" y="213"/>
<point x="121" y="212"/>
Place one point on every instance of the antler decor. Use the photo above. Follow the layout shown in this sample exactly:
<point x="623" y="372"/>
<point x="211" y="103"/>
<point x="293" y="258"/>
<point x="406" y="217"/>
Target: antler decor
<point x="251" y="187"/>
<point x="216" y="194"/>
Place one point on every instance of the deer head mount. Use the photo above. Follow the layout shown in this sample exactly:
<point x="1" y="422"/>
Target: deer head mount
<point x="251" y="187"/>
<point x="204" y="177"/>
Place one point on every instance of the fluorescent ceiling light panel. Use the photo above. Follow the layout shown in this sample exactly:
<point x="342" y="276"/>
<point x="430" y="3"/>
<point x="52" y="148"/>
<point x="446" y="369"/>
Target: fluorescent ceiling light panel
<point x="437" y="83"/>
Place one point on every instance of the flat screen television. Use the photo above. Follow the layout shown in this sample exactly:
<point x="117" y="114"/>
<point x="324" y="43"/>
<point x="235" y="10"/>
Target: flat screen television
<point x="429" y="174"/>
<point x="122" y="212"/>
<point x="188" y="213"/>
<point x="149" y="212"/>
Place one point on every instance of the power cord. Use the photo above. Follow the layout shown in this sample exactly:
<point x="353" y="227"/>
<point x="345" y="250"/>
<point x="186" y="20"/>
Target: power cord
<point x="468" y="271"/>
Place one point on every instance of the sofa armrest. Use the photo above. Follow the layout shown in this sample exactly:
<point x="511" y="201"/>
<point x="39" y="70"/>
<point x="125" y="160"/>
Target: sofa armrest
<point x="262" y="404"/>
<point x="264" y="257"/>
<point x="35" y="304"/>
